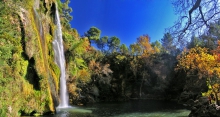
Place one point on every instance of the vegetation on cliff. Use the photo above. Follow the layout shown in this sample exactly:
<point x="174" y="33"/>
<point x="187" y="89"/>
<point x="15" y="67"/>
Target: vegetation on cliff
<point x="98" y="68"/>
<point x="29" y="77"/>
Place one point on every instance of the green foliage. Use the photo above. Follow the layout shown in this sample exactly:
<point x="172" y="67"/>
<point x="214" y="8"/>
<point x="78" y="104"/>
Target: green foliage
<point x="113" y="43"/>
<point x="157" y="46"/>
<point x="135" y="49"/>
<point x="93" y="34"/>
<point x="123" y="49"/>
<point x="168" y="43"/>
<point x="19" y="73"/>
<point x="195" y="41"/>
<point x="102" y="43"/>
<point x="66" y="10"/>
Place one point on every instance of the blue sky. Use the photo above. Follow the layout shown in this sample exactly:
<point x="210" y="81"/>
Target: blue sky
<point x="126" y="19"/>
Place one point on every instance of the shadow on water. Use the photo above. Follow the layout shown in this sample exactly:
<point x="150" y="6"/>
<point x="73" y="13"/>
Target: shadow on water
<point x="136" y="108"/>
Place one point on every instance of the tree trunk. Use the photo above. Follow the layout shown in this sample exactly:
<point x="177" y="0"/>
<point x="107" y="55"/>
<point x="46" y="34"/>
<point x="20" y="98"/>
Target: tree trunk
<point x="140" y="93"/>
<point x="140" y="88"/>
<point x="216" y="96"/>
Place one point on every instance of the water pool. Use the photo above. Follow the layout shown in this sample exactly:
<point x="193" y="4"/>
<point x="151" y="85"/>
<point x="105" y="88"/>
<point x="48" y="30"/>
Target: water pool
<point x="135" y="108"/>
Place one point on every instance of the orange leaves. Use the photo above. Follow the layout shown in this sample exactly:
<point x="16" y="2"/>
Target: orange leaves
<point x="144" y="42"/>
<point x="217" y="52"/>
<point x="99" y="69"/>
<point x="198" y="59"/>
<point x="95" y="67"/>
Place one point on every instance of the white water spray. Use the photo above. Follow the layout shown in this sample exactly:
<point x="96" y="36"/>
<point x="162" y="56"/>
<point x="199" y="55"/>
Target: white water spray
<point x="60" y="61"/>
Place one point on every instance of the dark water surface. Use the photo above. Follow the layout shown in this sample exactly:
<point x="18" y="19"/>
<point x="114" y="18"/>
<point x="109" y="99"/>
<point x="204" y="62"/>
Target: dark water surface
<point x="135" y="108"/>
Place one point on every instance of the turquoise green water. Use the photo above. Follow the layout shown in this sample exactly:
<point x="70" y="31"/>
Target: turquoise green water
<point x="137" y="108"/>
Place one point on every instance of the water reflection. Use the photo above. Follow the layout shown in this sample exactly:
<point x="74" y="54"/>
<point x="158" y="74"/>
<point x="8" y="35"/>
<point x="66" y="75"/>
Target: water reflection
<point x="138" y="108"/>
<point x="63" y="114"/>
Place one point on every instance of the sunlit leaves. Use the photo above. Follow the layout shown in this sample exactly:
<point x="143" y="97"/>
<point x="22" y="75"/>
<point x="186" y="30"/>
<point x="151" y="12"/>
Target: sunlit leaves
<point x="144" y="43"/>
<point x="84" y="75"/>
<point x="217" y="52"/>
<point x="201" y="60"/>
<point x="156" y="46"/>
<point x="135" y="49"/>
<point x="120" y="57"/>
<point x="5" y="52"/>
<point x="82" y="46"/>
<point x="123" y="49"/>
<point x="67" y="10"/>
<point x="93" y="34"/>
<point x="95" y="67"/>
<point x="198" y="59"/>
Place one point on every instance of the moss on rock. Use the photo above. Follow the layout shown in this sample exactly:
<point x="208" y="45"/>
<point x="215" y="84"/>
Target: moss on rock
<point x="28" y="75"/>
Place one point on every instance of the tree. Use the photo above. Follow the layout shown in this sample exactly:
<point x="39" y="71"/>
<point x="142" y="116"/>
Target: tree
<point x="93" y="34"/>
<point x="113" y="43"/>
<point x="208" y="39"/>
<point x="195" y="41"/>
<point x="76" y="66"/>
<point x="102" y="42"/>
<point x="135" y="49"/>
<point x="146" y="51"/>
<point x="67" y="10"/>
<point x="168" y="43"/>
<point x="199" y="60"/>
<point x="156" y="46"/>
<point x="144" y="42"/>
<point x="123" y="49"/>
<point x="194" y="16"/>
<point x="101" y="73"/>
<point x="65" y="13"/>
<point x="214" y="29"/>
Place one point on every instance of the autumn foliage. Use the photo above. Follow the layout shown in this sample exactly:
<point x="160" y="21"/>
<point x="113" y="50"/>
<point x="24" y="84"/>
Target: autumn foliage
<point x="199" y="59"/>
<point x="144" y="42"/>
<point x="206" y="63"/>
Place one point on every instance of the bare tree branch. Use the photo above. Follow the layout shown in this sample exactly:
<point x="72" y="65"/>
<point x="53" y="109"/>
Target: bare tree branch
<point x="194" y="17"/>
<point x="203" y="19"/>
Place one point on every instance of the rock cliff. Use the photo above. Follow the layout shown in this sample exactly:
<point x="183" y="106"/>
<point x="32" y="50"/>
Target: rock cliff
<point x="29" y="77"/>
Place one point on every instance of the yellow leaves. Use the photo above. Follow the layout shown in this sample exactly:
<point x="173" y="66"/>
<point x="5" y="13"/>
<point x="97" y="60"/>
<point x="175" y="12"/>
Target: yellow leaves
<point x="156" y="49"/>
<point x="84" y="75"/>
<point x="198" y="59"/>
<point x="144" y="42"/>
<point x="206" y="64"/>
<point x="72" y="88"/>
<point x="120" y="57"/>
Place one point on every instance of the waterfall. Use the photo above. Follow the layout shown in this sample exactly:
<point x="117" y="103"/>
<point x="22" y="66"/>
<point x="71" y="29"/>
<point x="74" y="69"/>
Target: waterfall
<point x="60" y="61"/>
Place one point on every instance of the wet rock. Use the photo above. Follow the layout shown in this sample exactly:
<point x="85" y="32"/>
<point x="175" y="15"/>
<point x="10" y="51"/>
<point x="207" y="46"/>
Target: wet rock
<point x="202" y="108"/>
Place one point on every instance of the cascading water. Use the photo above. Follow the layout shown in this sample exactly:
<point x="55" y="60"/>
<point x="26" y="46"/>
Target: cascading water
<point x="60" y="61"/>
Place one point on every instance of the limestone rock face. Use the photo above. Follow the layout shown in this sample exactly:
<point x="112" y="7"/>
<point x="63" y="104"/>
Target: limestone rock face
<point x="30" y="67"/>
